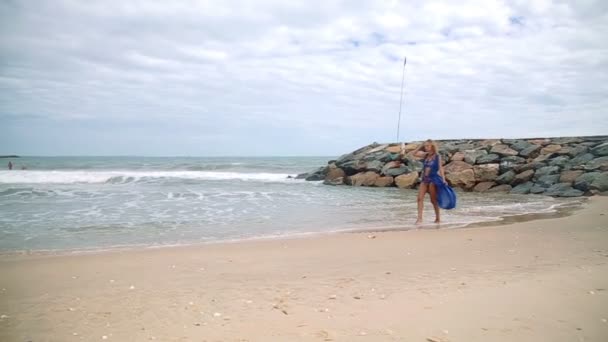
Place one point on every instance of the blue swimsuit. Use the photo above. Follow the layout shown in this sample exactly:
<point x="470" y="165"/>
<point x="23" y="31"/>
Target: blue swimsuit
<point x="433" y="175"/>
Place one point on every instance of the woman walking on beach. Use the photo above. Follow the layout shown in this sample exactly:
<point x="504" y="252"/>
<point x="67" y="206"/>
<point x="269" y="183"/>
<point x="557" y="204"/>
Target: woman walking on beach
<point x="432" y="177"/>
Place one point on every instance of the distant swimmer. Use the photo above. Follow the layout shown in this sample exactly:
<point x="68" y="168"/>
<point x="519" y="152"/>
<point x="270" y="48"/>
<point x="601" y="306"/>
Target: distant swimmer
<point x="10" y="165"/>
<point x="23" y="167"/>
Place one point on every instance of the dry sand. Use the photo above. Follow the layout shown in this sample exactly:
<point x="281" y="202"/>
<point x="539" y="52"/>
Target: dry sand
<point x="544" y="280"/>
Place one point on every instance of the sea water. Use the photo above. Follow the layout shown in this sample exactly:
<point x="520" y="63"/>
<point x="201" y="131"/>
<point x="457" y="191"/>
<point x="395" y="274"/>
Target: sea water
<point x="81" y="203"/>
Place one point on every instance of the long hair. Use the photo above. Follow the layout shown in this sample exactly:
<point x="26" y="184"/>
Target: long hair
<point x="433" y="145"/>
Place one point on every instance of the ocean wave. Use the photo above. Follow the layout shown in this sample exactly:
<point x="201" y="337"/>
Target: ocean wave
<point x="121" y="177"/>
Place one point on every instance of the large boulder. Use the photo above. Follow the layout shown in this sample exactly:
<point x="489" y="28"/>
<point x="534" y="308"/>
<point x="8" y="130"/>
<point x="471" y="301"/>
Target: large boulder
<point x="353" y="167"/>
<point x="523" y="188"/>
<point x="520" y="145"/>
<point x="471" y="156"/>
<point x="600" y="164"/>
<point x="523" y="177"/>
<point x="537" y="189"/>
<point x="530" y="151"/>
<point x="543" y="158"/>
<point x="506" y="178"/>
<point x="394" y="172"/>
<point x="377" y="149"/>
<point x="560" y="161"/>
<point x="503" y="150"/>
<point x="581" y="159"/>
<point x="483" y="186"/>
<point x="583" y="182"/>
<point x="390" y="165"/>
<point x="501" y="188"/>
<point x="486" y="172"/>
<point x="547" y="180"/>
<point x="393" y="149"/>
<point x="489" y="143"/>
<point x="367" y="178"/>
<point x="457" y="166"/>
<point x="563" y="190"/>
<point x="407" y="180"/>
<point x="510" y="163"/>
<point x="410" y="147"/>
<point x="541" y="142"/>
<point x="374" y="165"/>
<point x="384" y="181"/>
<point x="464" y="147"/>
<point x="546" y="170"/>
<point x="550" y="149"/>
<point x="569" y="176"/>
<point x="600" y="150"/>
<point x="462" y="179"/>
<point x="529" y="166"/>
<point x="414" y="164"/>
<point x="566" y="140"/>
<point x="458" y="156"/>
<point x="317" y="175"/>
<point x="600" y="182"/>
<point x="334" y="172"/>
<point x="573" y="151"/>
<point x="488" y="158"/>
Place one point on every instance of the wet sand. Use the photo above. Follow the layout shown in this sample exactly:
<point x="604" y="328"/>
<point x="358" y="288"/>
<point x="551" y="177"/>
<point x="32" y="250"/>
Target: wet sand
<point x="541" y="280"/>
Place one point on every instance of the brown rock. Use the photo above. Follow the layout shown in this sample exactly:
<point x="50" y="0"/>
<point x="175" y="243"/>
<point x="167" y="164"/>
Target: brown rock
<point x="501" y="188"/>
<point x="458" y="156"/>
<point x="489" y="142"/>
<point x="543" y="157"/>
<point x="334" y="173"/>
<point x="503" y="150"/>
<point x="549" y="149"/>
<point x="541" y="142"/>
<point x="407" y="180"/>
<point x="483" y="186"/>
<point x="457" y="166"/>
<point x="410" y="147"/>
<point x="384" y="181"/>
<point x="523" y="177"/>
<point x="367" y="178"/>
<point x="486" y="172"/>
<point x="464" y="179"/>
<point x="393" y="149"/>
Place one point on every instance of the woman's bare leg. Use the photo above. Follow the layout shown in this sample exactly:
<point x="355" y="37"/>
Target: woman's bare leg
<point x="420" y="199"/>
<point x="433" y="192"/>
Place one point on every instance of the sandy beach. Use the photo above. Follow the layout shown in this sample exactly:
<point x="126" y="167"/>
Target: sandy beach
<point x="542" y="280"/>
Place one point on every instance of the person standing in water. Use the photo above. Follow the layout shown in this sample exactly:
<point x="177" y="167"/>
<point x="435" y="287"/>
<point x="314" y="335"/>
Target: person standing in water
<point x="10" y="165"/>
<point x="433" y="175"/>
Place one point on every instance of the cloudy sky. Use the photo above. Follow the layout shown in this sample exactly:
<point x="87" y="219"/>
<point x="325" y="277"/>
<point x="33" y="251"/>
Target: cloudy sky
<point x="294" y="77"/>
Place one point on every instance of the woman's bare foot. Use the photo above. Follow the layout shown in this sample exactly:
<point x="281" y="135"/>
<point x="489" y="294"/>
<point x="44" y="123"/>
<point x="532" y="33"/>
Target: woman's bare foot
<point x="418" y="221"/>
<point x="437" y="221"/>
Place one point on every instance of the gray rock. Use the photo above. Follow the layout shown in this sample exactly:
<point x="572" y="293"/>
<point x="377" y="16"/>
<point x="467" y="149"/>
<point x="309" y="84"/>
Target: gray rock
<point x="547" y="180"/>
<point x="520" y="145"/>
<point x="316" y="175"/>
<point x="522" y="188"/>
<point x="353" y="167"/>
<point x="600" y="150"/>
<point x="503" y="150"/>
<point x="471" y="156"/>
<point x="560" y="161"/>
<point x="506" y="177"/>
<point x="562" y="190"/>
<point x="488" y="158"/>
<point x="573" y="151"/>
<point x="375" y="165"/>
<point x="414" y="164"/>
<point x="394" y="172"/>
<point x="546" y="170"/>
<point x="531" y="151"/>
<point x="581" y="159"/>
<point x="600" y="163"/>
<point x="537" y="189"/>
<point x="529" y="166"/>
<point x="523" y="177"/>
<point x="583" y="182"/>
<point x="464" y="147"/>
<point x="600" y="182"/>
<point x="566" y="140"/>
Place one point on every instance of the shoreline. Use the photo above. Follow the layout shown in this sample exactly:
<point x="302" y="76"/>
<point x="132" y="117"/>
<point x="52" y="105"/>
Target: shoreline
<point x="556" y="211"/>
<point x="527" y="281"/>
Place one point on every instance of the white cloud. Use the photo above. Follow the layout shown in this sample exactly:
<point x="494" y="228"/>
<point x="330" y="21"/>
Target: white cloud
<point x="250" y="70"/>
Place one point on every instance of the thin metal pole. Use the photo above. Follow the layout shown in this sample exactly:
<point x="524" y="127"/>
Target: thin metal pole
<point x="401" y="100"/>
